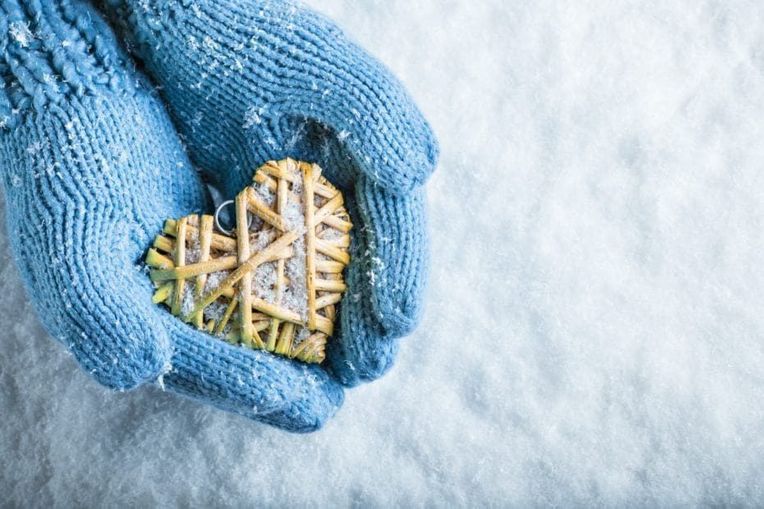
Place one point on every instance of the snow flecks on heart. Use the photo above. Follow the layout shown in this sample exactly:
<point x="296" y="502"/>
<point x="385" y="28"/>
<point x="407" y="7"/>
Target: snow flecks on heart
<point x="187" y="302"/>
<point x="294" y="294"/>
<point x="193" y="252"/>
<point x="216" y="309"/>
<point x="215" y="279"/>
<point x="301" y="335"/>
<point x="265" y="194"/>
<point x="331" y="234"/>
<point x="264" y="276"/>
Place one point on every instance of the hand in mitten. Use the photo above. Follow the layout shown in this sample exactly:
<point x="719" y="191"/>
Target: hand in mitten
<point x="248" y="81"/>
<point x="91" y="166"/>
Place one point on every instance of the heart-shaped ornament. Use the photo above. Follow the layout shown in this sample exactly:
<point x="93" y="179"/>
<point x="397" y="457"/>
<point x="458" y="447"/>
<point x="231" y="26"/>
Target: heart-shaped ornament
<point x="274" y="281"/>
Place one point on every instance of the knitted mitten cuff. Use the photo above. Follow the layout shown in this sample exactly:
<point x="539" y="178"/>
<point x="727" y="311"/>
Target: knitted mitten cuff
<point x="79" y="169"/>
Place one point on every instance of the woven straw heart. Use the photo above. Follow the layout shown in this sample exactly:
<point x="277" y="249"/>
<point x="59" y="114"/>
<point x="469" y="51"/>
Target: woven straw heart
<point x="274" y="281"/>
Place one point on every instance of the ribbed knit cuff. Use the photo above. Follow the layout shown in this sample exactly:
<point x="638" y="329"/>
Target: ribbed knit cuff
<point x="54" y="50"/>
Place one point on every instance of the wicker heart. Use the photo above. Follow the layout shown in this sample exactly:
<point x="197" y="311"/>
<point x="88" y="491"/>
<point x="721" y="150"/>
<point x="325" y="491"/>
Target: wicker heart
<point x="274" y="281"/>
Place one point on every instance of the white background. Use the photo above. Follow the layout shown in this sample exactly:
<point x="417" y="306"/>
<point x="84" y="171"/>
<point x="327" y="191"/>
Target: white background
<point x="595" y="326"/>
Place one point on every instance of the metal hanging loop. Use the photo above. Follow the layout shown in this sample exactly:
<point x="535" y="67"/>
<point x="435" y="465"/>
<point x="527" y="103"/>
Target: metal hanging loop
<point x="219" y="225"/>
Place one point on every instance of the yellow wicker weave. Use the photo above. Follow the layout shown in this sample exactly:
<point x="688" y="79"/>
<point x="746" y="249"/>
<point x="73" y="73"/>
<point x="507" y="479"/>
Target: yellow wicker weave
<point x="279" y="272"/>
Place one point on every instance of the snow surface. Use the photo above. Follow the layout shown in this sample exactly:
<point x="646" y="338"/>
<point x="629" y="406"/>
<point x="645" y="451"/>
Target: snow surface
<point x="594" y="332"/>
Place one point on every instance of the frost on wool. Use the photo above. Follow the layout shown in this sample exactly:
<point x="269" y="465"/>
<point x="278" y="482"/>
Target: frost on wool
<point x="252" y="117"/>
<point x="20" y="33"/>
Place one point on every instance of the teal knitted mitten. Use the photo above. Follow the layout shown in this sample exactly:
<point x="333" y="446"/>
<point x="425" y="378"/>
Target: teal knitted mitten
<point x="92" y="164"/>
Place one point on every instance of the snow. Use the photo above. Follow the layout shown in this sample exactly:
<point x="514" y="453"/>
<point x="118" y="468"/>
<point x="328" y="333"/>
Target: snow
<point x="20" y="33"/>
<point x="251" y="118"/>
<point x="187" y="303"/>
<point x="215" y="311"/>
<point x="594" y="329"/>
<point x="295" y="295"/>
